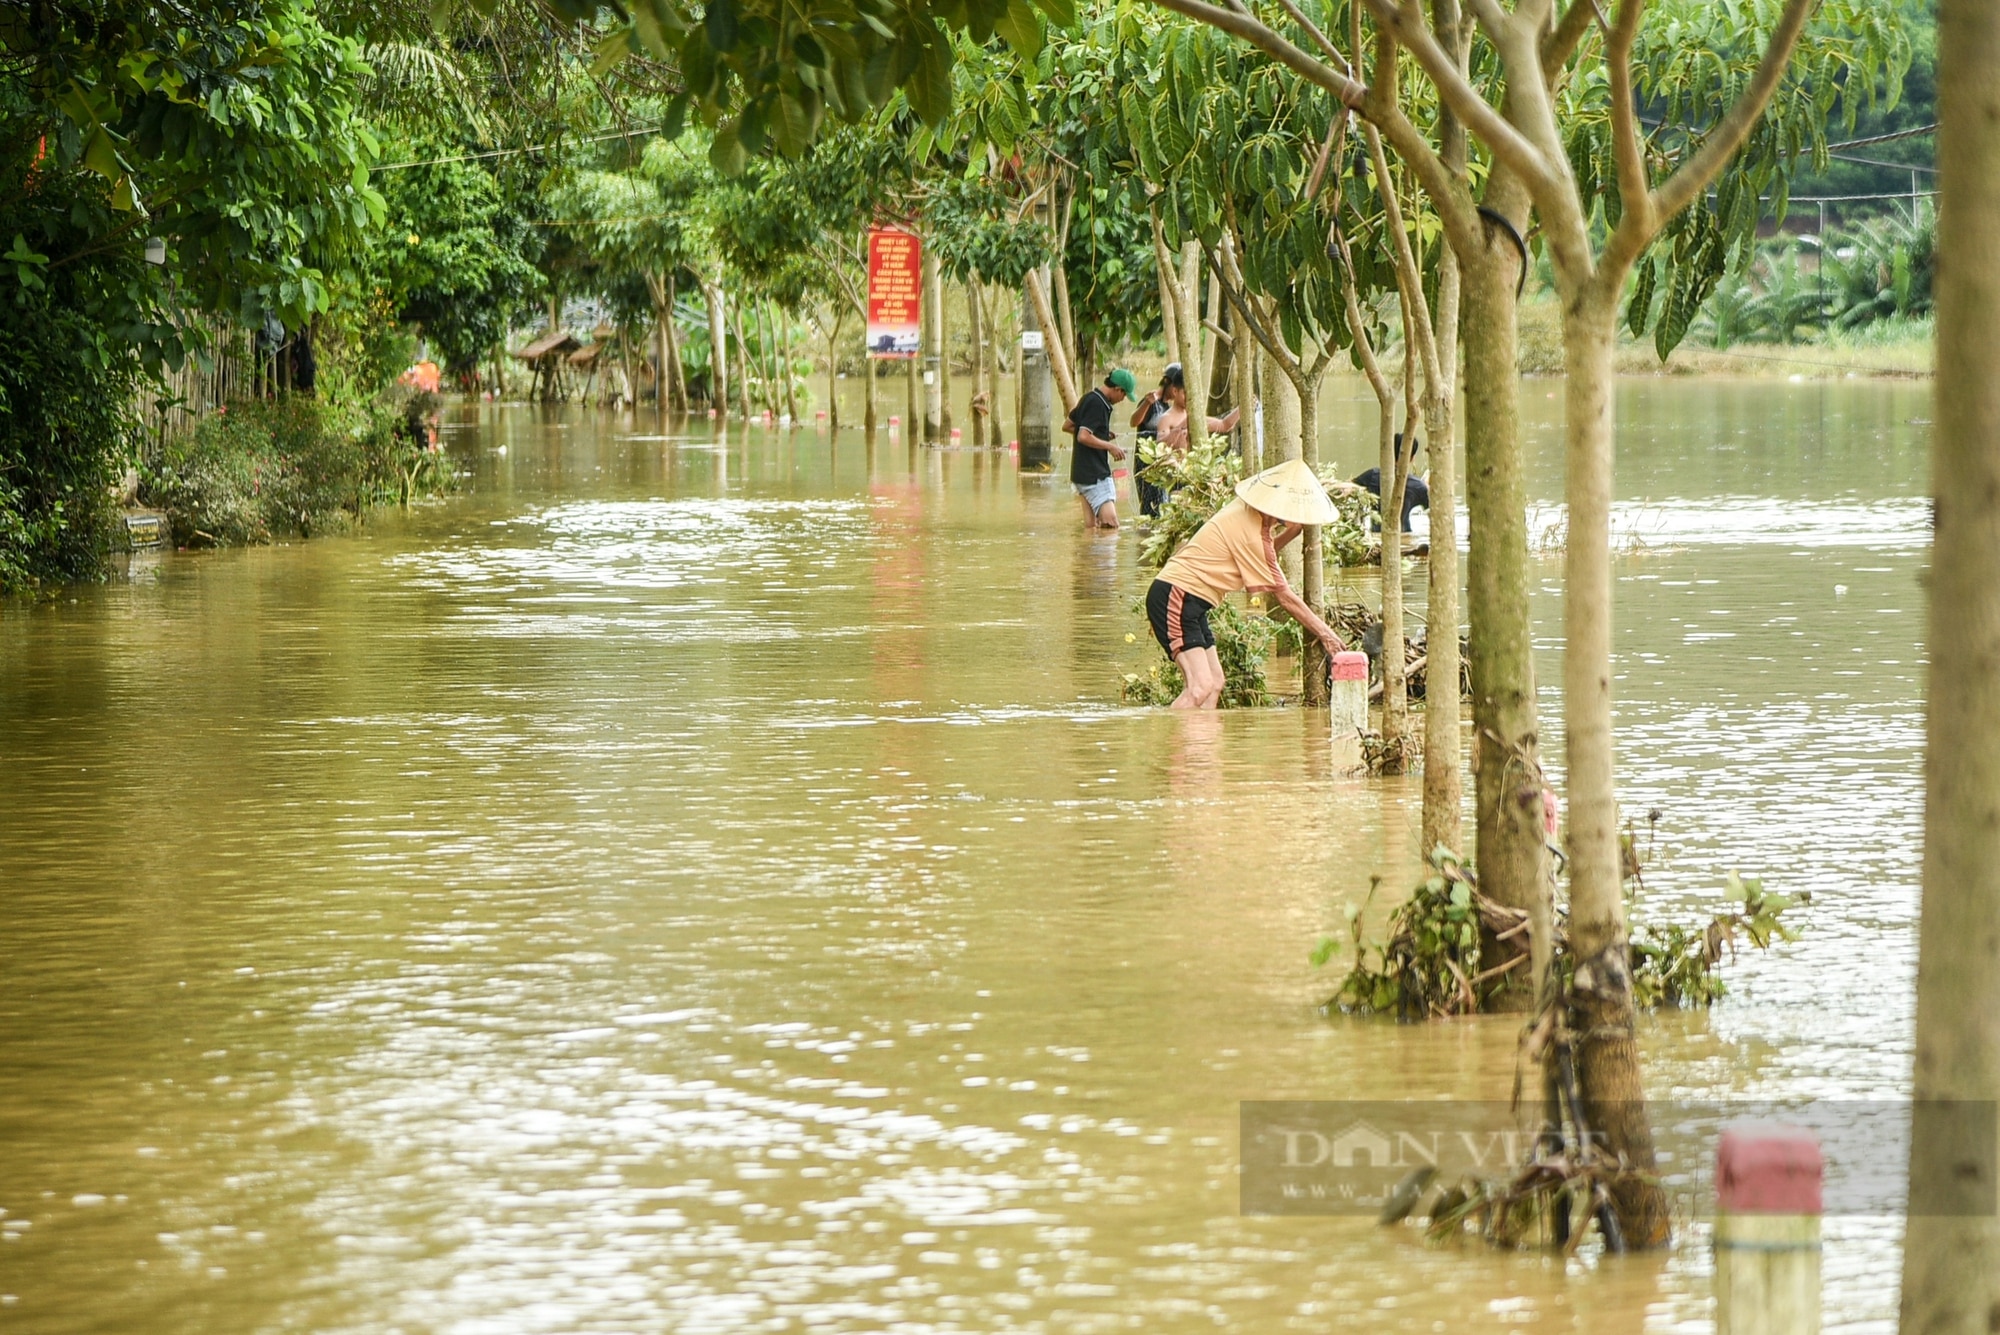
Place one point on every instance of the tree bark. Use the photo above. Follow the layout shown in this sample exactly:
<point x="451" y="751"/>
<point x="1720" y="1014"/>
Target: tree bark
<point x="1281" y="434"/>
<point x="1951" y="1262"/>
<point x="1395" y="689"/>
<point x="1507" y="772"/>
<point x="833" y="370"/>
<point x="718" y="349"/>
<point x="1444" y="792"/>
<point x="933" y="331"/>
<point x="1243" y="376"/>
<point x="976" y="320"/>
<point x="1608" y="1071"/>
<point x="994" y="324"/>
<point x="1315" y="668"/>
<point x="944" y="366"/>
<point x="1058" y="359"/>
<point x="1187" y="316"/>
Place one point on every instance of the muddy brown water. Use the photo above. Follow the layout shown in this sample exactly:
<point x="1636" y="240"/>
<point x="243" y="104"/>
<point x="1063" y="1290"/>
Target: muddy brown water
<point x="710" y="885"/>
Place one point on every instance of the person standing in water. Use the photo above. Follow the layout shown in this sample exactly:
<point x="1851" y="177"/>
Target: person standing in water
<point x="1146" y="421"/>
<point x="1096" y="446"/>
<point x="1235" y="551"/>
<point x="1172" y="425"/>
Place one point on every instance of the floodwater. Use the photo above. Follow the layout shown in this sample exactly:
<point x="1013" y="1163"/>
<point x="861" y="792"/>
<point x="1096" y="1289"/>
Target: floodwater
<point x="711" y="886"/>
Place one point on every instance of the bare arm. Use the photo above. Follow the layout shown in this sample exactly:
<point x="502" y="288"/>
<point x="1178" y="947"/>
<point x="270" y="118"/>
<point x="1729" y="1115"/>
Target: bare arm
<point x="1285" y="533"/>
<point x="1218" y="425"/>
<point x="1145" y="406"/>
<point x="1089" y="440"/>
<point x="1308" y="618"/>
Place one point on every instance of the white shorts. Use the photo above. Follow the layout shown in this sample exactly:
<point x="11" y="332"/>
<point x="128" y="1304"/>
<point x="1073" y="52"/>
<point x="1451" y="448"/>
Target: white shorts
<point x="1097" y="495"/>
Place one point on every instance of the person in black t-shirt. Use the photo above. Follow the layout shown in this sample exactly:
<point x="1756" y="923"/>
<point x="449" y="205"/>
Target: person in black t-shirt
<point x="1089" y="422"/>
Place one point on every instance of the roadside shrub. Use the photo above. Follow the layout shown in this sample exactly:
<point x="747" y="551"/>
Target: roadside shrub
<point x="260" y="471"/>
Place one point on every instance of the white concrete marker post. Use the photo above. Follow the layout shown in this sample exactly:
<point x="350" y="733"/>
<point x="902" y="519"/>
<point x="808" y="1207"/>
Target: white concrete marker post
<point x="1347" y="707"/>
<point x="1767" y="1218"/>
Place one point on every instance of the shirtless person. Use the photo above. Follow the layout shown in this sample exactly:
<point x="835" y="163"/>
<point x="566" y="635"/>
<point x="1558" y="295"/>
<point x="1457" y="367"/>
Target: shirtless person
<point x="1236" y="550"/>
<point x="1172" y="425"/>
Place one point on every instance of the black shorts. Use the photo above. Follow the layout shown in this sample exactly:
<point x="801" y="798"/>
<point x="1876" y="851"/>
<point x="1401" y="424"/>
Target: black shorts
<point x="1180" y="620"/>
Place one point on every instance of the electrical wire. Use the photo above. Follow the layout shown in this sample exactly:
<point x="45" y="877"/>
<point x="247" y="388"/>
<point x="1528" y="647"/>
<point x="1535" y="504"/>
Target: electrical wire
<point x="512" y="152"/>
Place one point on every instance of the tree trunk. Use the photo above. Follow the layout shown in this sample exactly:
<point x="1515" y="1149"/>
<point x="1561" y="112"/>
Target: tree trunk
<point x="1281" y="434"/>
<point x="975" y="315"/>
<point x="944" y="366"/>
<point x="932" y="307"/>
<point x="1951" y="1261"/>
<point x="1395" y="692"/>
<point x="1058" y="359"/>
<point x="994" y="324"/>
<point x="742" y="366"/>
<point x="1315" y="668"/>
<point x="785" y="367"/>
<point x="676" y="372"/>
<point x="833" y="370"/>
<point x="1242" y="374"/>
<point x="1507" y="772"/>
<point x="1187" y="317"/>
<point x="1033" y="411"/>
<point x="1603" y="1016"/>
<point x="718" y="349"/>
<point x="1059" y="281"/>
<point x="1163" y="270"/>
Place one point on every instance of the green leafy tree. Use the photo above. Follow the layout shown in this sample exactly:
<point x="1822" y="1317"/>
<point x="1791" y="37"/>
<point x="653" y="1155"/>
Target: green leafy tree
<point x="457" y="254"/>
<point x="228" y="131"/>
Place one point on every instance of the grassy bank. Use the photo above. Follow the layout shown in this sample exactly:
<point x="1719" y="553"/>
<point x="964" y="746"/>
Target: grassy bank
<point x="1887" y="348"/>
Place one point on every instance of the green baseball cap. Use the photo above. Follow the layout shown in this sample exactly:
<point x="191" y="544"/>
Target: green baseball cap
<point x="1120" y="378"/>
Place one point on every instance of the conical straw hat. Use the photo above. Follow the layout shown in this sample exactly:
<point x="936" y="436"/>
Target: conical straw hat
<point x="1289" y="492"/>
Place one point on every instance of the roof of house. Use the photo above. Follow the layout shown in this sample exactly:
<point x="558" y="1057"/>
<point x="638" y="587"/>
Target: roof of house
<point x="555" y="341"/>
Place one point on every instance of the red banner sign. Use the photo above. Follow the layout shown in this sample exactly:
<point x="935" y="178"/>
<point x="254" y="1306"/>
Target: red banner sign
<point x="895" y="268"/>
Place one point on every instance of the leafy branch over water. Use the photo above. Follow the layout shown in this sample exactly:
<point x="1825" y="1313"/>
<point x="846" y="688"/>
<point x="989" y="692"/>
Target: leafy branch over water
<point x="1428" y="967"/>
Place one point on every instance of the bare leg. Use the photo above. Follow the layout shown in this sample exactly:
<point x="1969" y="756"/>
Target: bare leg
<point x="1107" y="515"/>
<point x="1203" y="672"/>
<point x="1089" y="515"/>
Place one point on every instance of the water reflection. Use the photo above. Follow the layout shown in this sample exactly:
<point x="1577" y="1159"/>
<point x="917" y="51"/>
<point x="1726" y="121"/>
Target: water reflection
<point x="703" y="880"/>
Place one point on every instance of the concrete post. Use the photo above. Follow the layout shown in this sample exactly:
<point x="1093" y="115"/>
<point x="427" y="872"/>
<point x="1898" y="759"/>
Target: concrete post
<point x="1347" y="707"/>
<point x="1036" y="452"/>
<point x="1767" y="1217"/>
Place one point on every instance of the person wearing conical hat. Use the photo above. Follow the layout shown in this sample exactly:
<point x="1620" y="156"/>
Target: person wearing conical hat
<point x="1236" y="551"/>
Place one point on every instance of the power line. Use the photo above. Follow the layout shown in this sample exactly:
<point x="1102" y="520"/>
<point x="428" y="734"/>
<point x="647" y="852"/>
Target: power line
<point x="511" y="152"/>
<point x="1917" y="133"/>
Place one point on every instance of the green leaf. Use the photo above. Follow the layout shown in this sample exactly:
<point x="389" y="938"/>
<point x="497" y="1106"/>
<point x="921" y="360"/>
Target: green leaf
<point x="791" y="128"/>
<point x="929" y="85"/>
<point x="1021" y="27"/>
<point x="726" y="154"/>
<point x="721" y="24"/>
<point x="1061" y="12"/>
<point x="612" y="48"/>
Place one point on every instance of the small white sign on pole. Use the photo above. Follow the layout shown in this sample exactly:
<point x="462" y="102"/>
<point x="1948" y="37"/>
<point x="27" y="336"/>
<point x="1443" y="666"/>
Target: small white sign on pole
<point x="1031" y="340"/>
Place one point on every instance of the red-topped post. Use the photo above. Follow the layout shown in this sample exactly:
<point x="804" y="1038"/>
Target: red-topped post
<point x="1767" y="1230"/>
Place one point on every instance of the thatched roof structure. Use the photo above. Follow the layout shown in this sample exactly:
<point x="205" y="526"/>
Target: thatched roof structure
<point x="556" y="342"/>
